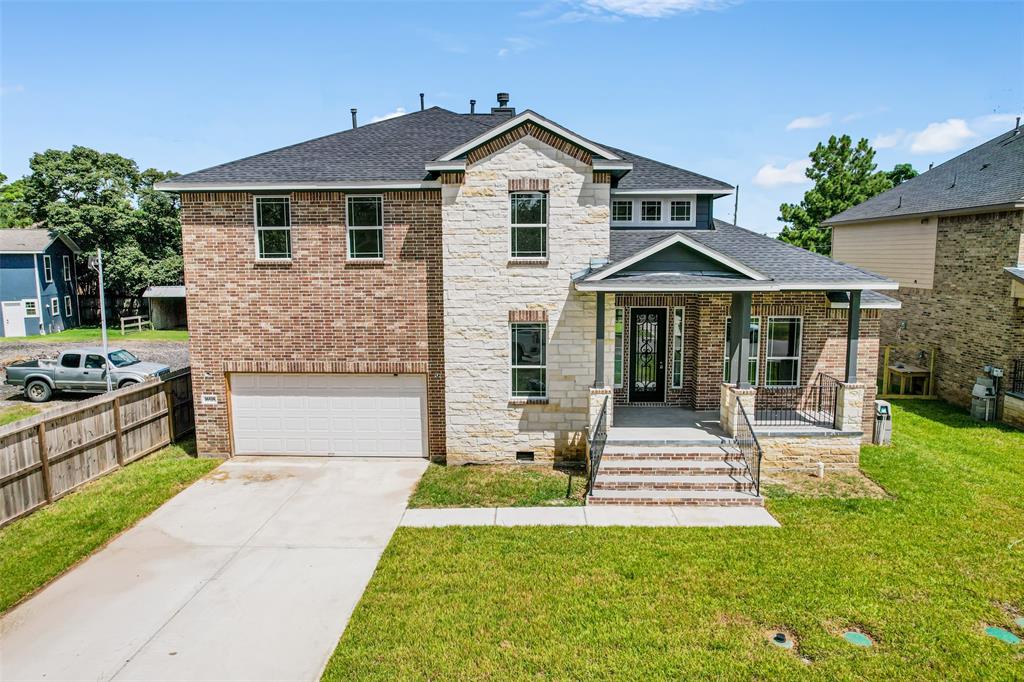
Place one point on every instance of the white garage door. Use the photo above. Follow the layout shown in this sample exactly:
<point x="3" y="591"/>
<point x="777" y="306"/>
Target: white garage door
<point x="358" y="415"/>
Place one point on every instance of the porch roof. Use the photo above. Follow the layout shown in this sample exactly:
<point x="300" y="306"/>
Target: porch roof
<point x="755" y="262"/>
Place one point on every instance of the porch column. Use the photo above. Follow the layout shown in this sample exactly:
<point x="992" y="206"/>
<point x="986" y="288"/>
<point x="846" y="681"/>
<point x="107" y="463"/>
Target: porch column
<point x="739" y="331"/>
<point x="599" y="347"/>
<point x="852" y="337"/>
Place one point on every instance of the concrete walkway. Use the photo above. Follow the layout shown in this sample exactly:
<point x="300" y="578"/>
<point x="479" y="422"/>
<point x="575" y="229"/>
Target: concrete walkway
<point x="250" y="574"/>
<point x="594" y="515"/>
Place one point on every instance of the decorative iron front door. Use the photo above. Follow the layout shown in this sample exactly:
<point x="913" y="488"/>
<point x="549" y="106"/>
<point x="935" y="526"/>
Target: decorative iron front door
<point x="647" y="358"/>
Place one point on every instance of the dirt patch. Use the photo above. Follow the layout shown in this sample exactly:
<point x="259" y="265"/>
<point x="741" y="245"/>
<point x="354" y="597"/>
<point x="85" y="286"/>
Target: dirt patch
<point x="247" y="477"/>
<point x="843" y="483"/>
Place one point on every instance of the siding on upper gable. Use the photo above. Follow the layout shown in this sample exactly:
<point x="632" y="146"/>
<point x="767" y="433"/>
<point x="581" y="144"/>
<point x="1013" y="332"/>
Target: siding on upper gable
<point x="903" y="250"/>
<point x="677" y="258"/>
<point x="18" y="283"/>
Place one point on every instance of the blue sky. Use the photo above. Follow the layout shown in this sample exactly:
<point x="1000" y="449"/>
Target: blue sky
<point x="740" y="91"/>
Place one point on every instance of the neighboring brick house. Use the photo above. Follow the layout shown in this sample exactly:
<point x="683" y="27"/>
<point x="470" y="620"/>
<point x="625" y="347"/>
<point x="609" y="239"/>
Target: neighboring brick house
<point x="472" y="288"/>
<point x="953" y="237"/>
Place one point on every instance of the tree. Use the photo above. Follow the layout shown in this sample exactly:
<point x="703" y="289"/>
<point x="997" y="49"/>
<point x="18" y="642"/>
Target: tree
<point x="103" y="200"/>
<point x="900" y="173"/>
<point x="14" y="210"/>
<point x="844" y="175"/>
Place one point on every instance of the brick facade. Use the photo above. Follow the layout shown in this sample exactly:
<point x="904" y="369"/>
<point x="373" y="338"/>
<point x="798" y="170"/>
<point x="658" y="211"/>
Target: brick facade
<point x="969" y="314"/>
<point x="823" y="347"/>
<point x="318" y="312"/>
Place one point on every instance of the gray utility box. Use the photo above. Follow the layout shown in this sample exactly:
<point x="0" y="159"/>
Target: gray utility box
<point x="883" y="423"/>
<point x="983" y="399"/>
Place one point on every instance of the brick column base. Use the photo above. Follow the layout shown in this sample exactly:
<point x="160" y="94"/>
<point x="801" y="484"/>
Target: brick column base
<point x="850" y="407"/>
<point x="597" y="398"/>
<point x="729" y="414"/>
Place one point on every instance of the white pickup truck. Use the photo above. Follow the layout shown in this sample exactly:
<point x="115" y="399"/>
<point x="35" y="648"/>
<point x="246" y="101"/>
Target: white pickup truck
<point x="81" y="370"/>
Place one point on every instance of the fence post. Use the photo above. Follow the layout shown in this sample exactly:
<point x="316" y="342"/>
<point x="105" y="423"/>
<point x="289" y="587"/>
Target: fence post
<point x="44" y="460"/>
<point x="118" y="432"/>
<point x="169" y="394"/>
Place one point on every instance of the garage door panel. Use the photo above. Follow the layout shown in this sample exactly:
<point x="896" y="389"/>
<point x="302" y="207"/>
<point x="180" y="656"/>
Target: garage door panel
<point x="329" y="414"/>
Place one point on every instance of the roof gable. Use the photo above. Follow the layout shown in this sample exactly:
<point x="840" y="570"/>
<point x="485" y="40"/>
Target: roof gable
<point x="680" y="254"/>
<point x="28" y="240"/>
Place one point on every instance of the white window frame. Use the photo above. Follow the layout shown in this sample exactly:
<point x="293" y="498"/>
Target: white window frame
<point x="66" y="265"/>
<point x="689" y="210"/>
<point x="666" y="211"/>
<point x="661" y="211"/>
<point x="677" y="350"/>
<point x="67" y="305"/>
<point x="35" y="307"/>
<point x="512" y="226"/>
<point x="363" y="228"/>
<point x="619" y="338"/>
<point x="627" y="202"/>
<point x="271" y="228"/>
<point x="513" y="366"/>
<point x="755" y="356"/>
<point x="54" y="307"/>
<point x="799" y="349"/>
<point x="47" y="269"/>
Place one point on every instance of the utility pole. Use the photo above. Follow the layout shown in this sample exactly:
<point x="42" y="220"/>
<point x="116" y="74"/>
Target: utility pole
<point x="96" y="263"/>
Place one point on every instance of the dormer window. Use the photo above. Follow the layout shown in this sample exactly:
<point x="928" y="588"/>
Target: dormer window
<point x="682" y="211"/>
<point x="622" y="211"/>
<point x="529" y="224"/>
<point x="650" y="211"/>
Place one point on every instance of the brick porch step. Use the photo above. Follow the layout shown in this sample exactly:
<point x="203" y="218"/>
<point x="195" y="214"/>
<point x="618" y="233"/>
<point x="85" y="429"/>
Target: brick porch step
<point x="606" y="481"/>
<point x="614" y="451"/>
<point x="717" y="498"/>
<point x="655" y="466"/>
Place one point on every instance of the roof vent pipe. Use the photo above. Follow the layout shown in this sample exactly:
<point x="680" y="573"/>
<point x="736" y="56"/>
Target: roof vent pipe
<point x="502" y="99"/>
<point x="354" y="117"/>
<point x="472" y="106"/>
<point x="1016" y="126"/>
<point x="421" y="101"/>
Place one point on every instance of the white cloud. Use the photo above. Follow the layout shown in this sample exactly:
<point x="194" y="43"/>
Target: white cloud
<point x="790" y="174"/>
<point x="11" y="89"/>
<point x="946" y="136"/>
<point x="888" y="140"/>
<point x="605" y="10"/>
<point x="400" y="111"/>
<point x="515" y="45"/>
<point x="809" y="122"/>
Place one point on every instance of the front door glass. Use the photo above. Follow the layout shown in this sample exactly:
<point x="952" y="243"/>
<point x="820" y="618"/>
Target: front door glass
<point x="647" y="360"/>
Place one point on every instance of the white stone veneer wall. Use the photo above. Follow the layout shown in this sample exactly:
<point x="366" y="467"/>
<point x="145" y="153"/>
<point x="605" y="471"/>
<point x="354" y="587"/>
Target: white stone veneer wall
<point x="481" y="287"/>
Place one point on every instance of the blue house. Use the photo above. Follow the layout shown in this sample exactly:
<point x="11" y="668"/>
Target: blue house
<point x="38" y="282"/>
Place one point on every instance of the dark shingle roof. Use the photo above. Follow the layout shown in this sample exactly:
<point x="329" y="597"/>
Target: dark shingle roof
<point x="991" y="174"/>
<point x="396" y="149"/>
<point x="781" y="263"/>
<point x="25" y="240"/>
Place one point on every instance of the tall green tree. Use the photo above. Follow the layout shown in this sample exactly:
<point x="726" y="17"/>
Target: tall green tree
<point x="900" y="173"/>
<point x="103" y="200"/>
<point x="844" y="175"/>
<point x="14" y="210"/>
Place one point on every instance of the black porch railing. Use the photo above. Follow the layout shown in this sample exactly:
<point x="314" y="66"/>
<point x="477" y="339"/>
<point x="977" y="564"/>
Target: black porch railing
<point x="596" y="439"/>
<point x="1017" y="376"/>
<point x="812" y="405"/>
<point x="750" y="449"/>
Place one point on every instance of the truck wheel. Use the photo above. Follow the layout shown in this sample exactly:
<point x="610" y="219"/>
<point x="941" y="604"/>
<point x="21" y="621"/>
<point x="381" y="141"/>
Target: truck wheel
<point x="127" y="382"/>
<point x="38" y="392"/>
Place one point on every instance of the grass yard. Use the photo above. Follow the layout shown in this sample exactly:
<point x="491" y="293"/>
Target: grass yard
<point x="87" y="334"/>
<point x="498" y="486"/>
<point x="38" y="548"/>
<point x="922" y="570"/>
<point x="9" y="415"/>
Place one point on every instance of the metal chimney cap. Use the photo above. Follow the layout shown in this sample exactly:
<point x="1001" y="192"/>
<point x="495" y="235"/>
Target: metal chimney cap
<point x="502" y="99"/>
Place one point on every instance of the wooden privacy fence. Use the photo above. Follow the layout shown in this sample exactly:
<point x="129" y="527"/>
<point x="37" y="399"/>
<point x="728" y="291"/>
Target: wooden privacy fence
<point x="45" y="457"/>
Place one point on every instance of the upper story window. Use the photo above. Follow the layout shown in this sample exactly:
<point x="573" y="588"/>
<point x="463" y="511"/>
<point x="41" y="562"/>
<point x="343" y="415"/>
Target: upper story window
<point x="365" y="228"/>
<point x="650" y="211"/>
<point x="67" y="268"/>
<point x="529" y="224"/>
<point x="47" y="269"/>
<point x="682" y="211"/>
<point x="622" y="211"/>
<point x="273" y="228"/>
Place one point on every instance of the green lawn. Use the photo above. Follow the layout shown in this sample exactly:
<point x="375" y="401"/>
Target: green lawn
<point x="922" y="570"/>
<point x="498" y="486"/>
<point x="36" y="549"/>
<point x="9" y="415"/>
<point x="85" y="334"/>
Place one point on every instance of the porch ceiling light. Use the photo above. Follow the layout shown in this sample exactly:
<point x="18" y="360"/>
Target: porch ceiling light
<point x="1002" y="635"/>
<point x="857" y="638"/>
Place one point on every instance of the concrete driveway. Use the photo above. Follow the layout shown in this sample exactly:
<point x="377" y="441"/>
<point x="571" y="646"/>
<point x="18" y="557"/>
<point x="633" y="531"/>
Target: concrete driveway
<point x="250" y="574"/>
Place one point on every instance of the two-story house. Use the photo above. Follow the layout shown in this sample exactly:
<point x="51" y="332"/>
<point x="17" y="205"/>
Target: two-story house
<point x="38" y="282"/>
<point x="494" y="287"/>
<point x="953" y="237"/>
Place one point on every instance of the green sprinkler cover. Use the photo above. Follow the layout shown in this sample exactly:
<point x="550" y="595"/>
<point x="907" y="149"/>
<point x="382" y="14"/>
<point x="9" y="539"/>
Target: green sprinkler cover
<point x="1002" y="635"/>
<point x="857" y="638"/>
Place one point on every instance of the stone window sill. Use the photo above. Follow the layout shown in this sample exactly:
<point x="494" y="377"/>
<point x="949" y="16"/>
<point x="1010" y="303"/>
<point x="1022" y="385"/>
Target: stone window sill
<point x="528" y="401"/>
<point x="538" y="262"/>
<point x="365" y="261"/>
<point x="282" y="262"/>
